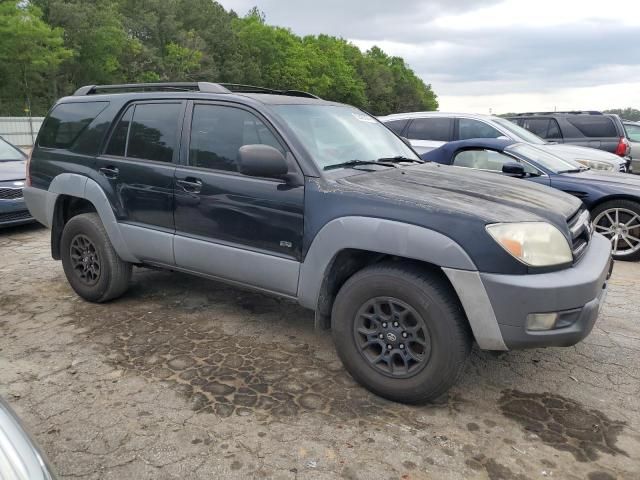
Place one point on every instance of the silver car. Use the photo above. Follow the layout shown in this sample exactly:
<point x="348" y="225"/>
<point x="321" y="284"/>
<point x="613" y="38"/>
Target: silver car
<point x="20" y="458"/>
<point x="429" y="130"/>
<point x="633" y="134"/>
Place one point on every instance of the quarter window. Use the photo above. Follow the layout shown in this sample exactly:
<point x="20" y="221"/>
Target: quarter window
<point x="438" y="129"/>
<point x="593" y="125"/>
<point x="66" y="122"/>
<point x="218" y="132"/>
<point x="469" y="128"/>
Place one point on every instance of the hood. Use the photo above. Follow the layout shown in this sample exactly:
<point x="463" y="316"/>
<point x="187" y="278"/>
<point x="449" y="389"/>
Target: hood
<point x="615" y="180"/>
<point x="489" y="196"/>
<point x="12" y="170"/>
<point x="575" y="152"/>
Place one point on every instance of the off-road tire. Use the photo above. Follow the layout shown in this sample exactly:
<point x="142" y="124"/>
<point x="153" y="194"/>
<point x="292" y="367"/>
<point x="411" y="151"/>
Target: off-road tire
<point x="431" y="297"/>
<point x="114" y="273"/>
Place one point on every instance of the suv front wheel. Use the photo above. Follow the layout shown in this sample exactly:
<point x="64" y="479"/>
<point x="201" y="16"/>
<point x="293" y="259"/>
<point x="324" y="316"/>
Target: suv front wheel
<point x="91" y="265"/>
<point x="400" y="332"/>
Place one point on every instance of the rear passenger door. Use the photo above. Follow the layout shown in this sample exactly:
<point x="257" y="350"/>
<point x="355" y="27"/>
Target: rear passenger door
<point x="136" y="170"/>
<point x="229" y="225"/>
<point x="426" y="134"/>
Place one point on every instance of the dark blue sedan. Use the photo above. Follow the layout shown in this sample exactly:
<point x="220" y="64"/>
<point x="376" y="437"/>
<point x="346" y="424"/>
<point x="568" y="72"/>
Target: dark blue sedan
<point x="13" y="210"/>
<point x="612" y="198"/>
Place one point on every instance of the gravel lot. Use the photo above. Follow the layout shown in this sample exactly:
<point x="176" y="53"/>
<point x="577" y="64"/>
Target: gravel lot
<point x="187" y="378"/>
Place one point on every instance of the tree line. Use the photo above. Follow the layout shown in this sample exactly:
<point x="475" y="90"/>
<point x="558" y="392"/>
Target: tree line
<point x="48" y="48"/>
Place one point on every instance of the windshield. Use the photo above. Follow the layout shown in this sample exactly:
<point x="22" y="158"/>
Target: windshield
<point x="520" y="133"/>
<point x="547" y="160"/>
<point x="7" y="152"/>
<point x="337" y="134"/>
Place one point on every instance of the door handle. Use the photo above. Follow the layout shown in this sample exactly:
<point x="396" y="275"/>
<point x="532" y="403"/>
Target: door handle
<point x="109" y="172"/>
<point x="190" y="184"/>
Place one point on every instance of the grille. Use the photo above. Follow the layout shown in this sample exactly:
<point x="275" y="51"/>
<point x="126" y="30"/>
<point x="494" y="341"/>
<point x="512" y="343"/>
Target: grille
<point x="581" y="230"/>
<point x="7" y="193"/>
<point x="13" y="216"/>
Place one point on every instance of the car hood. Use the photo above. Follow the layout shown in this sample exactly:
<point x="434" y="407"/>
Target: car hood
<point x="12" y="170"/>
<point x="621" y="180"/>
<point x="489" y="196"/>
<point x="575" y="152"/>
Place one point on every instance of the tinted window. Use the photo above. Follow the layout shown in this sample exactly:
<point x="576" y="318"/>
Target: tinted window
<point x="593" y="125"/>
<point x="66" y="122"/>
<point x="539" y="126"/>
<point x="487" y="160"/>
<point x="154" y="131"/>
<point x="554" y="129"/>
<point x="474" y="129"/>
<point x="430" y="129"/>
<point x="218" y="132"/>
<point x="397" y="125"/>
<point x="118" y="142"/>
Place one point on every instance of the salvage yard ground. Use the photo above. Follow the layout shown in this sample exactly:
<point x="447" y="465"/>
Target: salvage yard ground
<point x="190" y="379"/>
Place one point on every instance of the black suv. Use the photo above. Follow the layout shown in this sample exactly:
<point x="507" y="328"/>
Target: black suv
<point x="408" y="262"/>
<point x="585" y="128"/>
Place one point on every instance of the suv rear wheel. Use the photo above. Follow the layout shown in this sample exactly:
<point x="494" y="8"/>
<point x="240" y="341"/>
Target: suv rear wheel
<point x="90" y="263"/>
<point x="619" y="221"/>
<point x="401" y="332"/>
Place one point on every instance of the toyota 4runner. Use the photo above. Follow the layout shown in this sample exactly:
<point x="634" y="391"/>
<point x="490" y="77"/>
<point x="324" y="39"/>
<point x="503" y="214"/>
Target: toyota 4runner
<point x="408" y="262"/>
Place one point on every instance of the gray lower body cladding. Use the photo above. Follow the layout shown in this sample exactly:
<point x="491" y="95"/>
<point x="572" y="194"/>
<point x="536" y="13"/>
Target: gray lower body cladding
<point x="497" y="306"/>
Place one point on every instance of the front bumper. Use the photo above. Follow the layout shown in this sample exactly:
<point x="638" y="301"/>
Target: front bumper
<point x="14" y="212"/>
<point x="497" y="306"/>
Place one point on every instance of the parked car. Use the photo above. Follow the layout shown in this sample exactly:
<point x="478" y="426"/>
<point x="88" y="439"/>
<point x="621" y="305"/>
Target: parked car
<point x="633" y="134"/>
<point x="603" y="131"/>
<point x="429" y="130"/>
<point x="20" y="457"/>
<point x="317" y="202"/>
<point x="612" y="199"/>
<point x="13" y="210"/>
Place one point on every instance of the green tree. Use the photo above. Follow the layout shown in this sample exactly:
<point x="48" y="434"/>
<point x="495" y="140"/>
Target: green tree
<point x="632" y="114"/>
<point x="30" y="53"/>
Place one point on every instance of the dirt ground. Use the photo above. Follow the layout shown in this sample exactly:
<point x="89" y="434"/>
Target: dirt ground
<point x="185" y="378"/>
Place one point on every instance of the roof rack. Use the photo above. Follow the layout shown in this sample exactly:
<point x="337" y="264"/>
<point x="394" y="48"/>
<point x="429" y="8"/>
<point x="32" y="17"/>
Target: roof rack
<point x="568" y="112"/>
<point x="240" y="88"/>
<point x="205" y="87"/>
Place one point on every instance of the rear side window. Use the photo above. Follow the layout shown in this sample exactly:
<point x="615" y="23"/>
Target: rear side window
<point x="218" y="132"/>
<point x="66" y="122"/>
<point x="147" y="131"/>
<point x="469" y="128"/>
<point x="397" y="126"/>
<point x="594" y="125"/>
<point x="430" y="129"/>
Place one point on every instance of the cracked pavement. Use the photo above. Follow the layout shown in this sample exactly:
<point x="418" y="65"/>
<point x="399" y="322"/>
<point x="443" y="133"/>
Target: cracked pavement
<point x="192" y="379"/>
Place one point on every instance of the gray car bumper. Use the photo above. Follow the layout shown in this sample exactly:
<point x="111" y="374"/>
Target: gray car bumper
<point x="497" y="306"/>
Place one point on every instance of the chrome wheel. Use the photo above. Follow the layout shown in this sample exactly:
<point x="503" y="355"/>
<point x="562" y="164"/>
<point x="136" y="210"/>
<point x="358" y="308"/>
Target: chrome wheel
<point x="392" y="337"/>
<point x="622" y="227"/>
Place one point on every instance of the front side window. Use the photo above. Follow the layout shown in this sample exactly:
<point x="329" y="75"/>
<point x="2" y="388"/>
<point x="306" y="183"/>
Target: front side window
<point x="469" y="128"/>
<point x="488" y="160"/>
<point x="435" y="128"/>
<point x="335" y="134"/>
<point x="516" y="132"/>
<point x="633" y="132"/>
<point x="66" y="122"/>
<point x="218" y="132"/>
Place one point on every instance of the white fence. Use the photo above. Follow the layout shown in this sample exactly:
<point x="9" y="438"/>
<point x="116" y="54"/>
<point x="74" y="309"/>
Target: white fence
<point x="20" y="131"/>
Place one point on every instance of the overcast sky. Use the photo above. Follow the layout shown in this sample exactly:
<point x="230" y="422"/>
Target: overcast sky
<point x="503" y="55"/>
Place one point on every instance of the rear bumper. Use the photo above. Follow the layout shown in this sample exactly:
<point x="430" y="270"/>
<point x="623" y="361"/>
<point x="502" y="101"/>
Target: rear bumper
<point x="499" y="305"/>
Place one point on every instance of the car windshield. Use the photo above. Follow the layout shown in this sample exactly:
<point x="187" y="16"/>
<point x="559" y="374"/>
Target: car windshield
<point x="545" y="159"/>
<point x="8" y="152"/>
<point x="520" y="133"/>
<point x="336" y="134"/>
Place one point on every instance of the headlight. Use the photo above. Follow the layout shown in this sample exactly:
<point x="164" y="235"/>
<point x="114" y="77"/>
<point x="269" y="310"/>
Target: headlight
<point x="595" y="165"/>
<point x="537" y="244"/>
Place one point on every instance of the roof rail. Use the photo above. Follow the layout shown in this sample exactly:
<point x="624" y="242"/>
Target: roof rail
<point x="569" y="112"/>
<point x="240" y="88"/>
<point x="205" y="87"/>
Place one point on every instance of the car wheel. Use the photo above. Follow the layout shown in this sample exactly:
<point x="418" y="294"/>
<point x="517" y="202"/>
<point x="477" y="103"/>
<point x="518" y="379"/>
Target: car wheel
<point x="400" y="331"/>
<point x="90" y="263"/>
<point x="619" y="221"/>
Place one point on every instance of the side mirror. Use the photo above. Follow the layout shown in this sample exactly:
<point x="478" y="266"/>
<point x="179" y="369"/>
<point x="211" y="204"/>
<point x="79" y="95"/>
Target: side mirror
<point x="261" y="161"/>
<point x="513" y="168"/>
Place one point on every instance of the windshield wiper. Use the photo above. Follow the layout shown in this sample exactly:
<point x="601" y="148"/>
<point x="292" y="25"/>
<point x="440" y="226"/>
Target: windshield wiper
<point x="400" y="158"/>
<point x="355" y="163"/>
